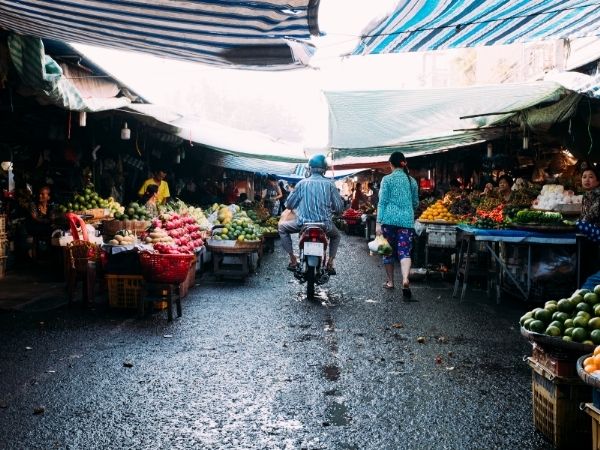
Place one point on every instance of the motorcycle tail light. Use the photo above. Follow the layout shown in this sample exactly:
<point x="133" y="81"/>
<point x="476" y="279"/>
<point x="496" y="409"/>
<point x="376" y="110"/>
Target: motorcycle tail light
<point x="314" y="234"/>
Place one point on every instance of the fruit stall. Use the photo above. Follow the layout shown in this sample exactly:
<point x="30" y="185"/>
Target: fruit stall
<point x="516" y="246"/>
<point x="565" y="368"/>
<point x="238" y="239"/>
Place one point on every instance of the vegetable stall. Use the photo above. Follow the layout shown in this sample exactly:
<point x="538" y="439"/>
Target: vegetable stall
<point x="517" y="245"/>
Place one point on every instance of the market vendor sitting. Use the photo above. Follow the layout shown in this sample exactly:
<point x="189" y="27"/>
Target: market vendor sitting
<point x="150" y="200"/>
<point x="589" y="221"/>
<point x="39" y="219"/>
<point x="358" y="197"/>
<point x="505" y="187"/>
<point x="157" y="179"/>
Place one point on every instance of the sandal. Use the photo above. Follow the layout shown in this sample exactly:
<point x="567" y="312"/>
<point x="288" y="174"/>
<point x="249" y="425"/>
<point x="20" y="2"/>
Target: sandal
<point x="331" y="271"/>
<point x="292" y="267"/>
<point x="406" y="293"/>
<point x="386" y="285"/>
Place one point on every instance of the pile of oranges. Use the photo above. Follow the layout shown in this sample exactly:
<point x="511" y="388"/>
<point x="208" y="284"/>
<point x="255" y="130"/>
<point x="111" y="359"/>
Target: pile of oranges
<point x="438" y="211"/>
<point x="591" y="364"/>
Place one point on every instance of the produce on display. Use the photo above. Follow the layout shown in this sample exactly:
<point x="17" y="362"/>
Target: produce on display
<point x="159" y="236"/>
<point x="89" y="199"/>
<point x="489" y="204"/>
<point x="438" y="212"/>
<point x="240" y="228"/>
<point x="538" y="217"/>
<point x="134" y="211"/>
<point x="352" y="215"/>
<point x="182" y="229"/>
<point x="180" y="207"/>
<point x="123" y="237"/>
<point x="493" y="219"/>
<point x="271" y="222"/>
<point x="461" y="206"/>
<point x="553" y="195"/>
<point x="591" y="364"/>
<point x="573" y="319"/>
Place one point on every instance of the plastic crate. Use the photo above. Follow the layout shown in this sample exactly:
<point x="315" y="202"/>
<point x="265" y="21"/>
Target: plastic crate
<point x="441" y="236"/>
<point x="594" y="413"/>
<point x="124" y="291"/>
<point x="556" y="411"/>
<point x="557" y="364"/>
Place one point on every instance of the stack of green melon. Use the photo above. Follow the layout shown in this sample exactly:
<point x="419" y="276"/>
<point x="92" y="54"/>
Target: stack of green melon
<point x="574" y="319"/>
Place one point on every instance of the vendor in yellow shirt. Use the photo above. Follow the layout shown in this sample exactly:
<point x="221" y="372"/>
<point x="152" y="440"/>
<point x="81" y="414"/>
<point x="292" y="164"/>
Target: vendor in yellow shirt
<point x="163" y="188"/>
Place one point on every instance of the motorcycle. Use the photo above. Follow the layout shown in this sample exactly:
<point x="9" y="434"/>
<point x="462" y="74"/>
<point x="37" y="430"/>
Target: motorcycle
<point x="313" y="257"/>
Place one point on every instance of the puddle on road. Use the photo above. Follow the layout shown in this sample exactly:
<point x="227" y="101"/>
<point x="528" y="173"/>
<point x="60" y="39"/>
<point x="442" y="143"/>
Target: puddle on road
<point x="329" y="325"/>
<point x="331" y="372"/>
<point x="322" y="296"/>
<point x="337" y="415"/>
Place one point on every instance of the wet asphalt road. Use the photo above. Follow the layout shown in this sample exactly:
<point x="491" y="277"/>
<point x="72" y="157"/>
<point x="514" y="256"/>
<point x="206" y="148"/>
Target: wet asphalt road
<point x="255" y="366"/>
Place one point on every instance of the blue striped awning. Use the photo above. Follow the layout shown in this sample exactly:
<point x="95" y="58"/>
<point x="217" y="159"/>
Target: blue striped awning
<point x="222" y="32"/>
<point x="420" y="25"/>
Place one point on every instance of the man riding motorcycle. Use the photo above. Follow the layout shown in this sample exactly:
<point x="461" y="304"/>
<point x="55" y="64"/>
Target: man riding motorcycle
<point x="314" y="200"/>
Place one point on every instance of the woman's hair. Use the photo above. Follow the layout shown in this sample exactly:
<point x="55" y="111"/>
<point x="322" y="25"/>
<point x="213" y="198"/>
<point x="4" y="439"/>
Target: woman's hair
<point x="591" y="168"/>
<point x="398" y="160"/>
<point x="150" y="191"/>
<point x="506" y="178"/>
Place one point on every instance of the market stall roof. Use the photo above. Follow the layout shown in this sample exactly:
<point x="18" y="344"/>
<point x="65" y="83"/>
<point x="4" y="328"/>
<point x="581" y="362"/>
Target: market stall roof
<point x="376" y="122"/>
<point x="421" y="25"/>
<point x="228" y="161"/>
<point x="261" y="33"/>
<point x="222" y="138"/>
<point x="67" y="85"/>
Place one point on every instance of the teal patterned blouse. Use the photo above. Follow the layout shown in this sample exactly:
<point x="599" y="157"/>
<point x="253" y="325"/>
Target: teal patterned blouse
<point x="398" y="198"/>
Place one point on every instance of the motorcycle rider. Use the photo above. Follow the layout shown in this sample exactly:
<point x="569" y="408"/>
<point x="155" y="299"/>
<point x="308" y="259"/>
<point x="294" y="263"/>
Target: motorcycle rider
<point x="314" y="199"/>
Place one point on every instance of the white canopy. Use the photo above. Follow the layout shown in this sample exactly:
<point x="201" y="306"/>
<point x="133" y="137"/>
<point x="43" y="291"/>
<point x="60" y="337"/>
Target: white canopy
<point x="370" y="122"/>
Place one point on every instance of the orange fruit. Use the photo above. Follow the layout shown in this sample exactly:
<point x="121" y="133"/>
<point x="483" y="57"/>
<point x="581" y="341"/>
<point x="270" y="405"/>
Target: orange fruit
<point x="597" y="350"/>
<point x="590" y="368"/>
<point x="588" y="361"/>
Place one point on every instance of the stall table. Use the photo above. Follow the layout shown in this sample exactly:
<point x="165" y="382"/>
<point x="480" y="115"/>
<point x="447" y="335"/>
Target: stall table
<point x="440" y="235"/>
<point x="491" y="239"/>
<point x="233" y="258"/>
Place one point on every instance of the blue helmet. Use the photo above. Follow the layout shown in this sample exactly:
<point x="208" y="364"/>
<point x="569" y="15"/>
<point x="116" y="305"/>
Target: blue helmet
<point x="318" y="162"/>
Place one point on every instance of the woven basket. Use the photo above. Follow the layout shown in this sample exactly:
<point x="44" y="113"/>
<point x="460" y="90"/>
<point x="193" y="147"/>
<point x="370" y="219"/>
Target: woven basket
<point x="111" y="227"/>
<point x="586" y="377"/>
<point x="159" y="268"/>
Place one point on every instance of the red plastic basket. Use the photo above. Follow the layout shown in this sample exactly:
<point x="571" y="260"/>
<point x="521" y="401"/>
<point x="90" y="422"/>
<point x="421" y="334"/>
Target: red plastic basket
<point x="161" y="268"/>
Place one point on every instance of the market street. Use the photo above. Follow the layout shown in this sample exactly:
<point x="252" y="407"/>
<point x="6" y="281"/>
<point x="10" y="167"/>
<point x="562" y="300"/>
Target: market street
<point x="255" y="366"/>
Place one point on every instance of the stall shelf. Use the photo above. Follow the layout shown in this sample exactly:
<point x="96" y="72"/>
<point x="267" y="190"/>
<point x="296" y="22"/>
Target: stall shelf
<point x="492" y="239"/>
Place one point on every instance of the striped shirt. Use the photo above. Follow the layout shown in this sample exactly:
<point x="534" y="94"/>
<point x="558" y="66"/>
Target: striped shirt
<point x="398" y="198"/>
<point x="315" y="199"/>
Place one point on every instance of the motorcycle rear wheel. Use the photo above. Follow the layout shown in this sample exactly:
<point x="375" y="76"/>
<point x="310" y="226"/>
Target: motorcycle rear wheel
<point x="310" y="283"/>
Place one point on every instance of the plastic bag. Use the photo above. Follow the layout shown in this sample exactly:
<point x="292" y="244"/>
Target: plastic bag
<point x="419" y="228"/>
<point x="380" y="245"/>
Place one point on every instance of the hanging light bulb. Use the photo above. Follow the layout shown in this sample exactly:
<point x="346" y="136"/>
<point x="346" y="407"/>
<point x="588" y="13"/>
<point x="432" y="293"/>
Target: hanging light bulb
<point x="82" y="118"/>
<point x="525" y="142"/>
<point x="125" y="132"/>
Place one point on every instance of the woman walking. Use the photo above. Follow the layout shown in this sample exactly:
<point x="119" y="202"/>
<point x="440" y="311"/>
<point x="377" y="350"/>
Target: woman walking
<point x="398" y="198"/>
